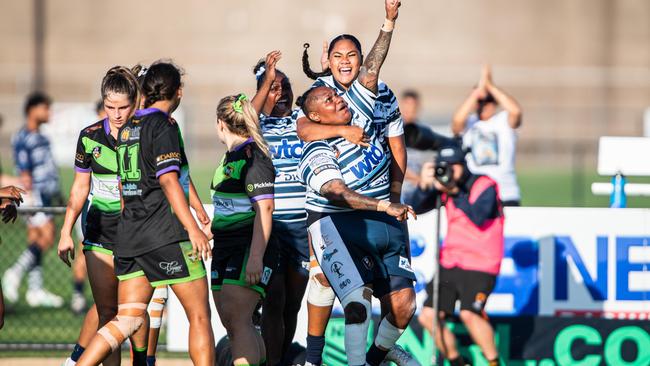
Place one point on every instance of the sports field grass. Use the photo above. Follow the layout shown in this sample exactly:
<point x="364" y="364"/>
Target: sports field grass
<point x="26" y="325"/>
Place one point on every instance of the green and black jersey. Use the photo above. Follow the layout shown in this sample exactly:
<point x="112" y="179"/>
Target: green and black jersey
<point x="96" y="155"/>
<point x="149" y="146"/>
<point x="244" y="176"/>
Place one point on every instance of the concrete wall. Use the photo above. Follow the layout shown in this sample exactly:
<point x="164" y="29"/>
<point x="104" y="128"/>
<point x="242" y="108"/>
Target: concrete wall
<point x="580" y="68"/>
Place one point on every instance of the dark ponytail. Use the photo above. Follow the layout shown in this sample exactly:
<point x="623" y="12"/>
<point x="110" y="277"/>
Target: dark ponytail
<point x="306" y="68"/>
<point x="160" y="82"/>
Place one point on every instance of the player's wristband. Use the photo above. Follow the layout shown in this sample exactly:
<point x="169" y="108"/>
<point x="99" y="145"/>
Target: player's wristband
<point x="388" y="26"/>
<point x="382" y="206"/>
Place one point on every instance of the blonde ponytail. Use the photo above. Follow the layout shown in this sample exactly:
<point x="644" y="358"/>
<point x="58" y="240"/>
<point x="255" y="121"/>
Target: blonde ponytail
<point x="240" y="117"/>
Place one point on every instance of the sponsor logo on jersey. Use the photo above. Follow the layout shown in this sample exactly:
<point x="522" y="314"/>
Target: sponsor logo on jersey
<point x="373" y="156"/>
<point x="336" y="267"/>
<point x="328" y="256"/>
<point x="405" y="264"/>
<point x="286" y="150"/>
<point x="165" y="158"/>
<point x="223" y="203"/>
<point x="97" y="152"/>
<point x="171" y="267"/>
<point x="259" y="186"/>
<point x="266" y="275"/>
<point x="131" y="189"/>
<point x="227" y="170"/>
<point x="368" y="263"/>
<point x="129" y="134"/>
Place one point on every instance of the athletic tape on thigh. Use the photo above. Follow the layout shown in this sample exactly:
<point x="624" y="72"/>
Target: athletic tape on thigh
<point x="129" y="318"/>
<point x="317" y="294"/>
<point x="157" y="306"/>
<point x="334" y="257"/>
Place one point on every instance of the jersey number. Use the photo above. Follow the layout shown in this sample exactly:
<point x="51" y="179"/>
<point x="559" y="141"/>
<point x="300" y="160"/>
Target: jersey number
<point x="128" y="156"/>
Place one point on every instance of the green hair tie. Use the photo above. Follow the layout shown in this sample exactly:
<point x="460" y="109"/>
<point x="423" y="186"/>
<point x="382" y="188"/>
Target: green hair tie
<point x="236" y="105"/>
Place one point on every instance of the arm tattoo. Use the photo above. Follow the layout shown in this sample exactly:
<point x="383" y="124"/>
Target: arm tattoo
<point x="369" y="73"/>
<point x="338" y="193"/>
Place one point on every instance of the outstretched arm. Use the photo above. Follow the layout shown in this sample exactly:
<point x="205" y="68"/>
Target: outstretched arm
<point x="506" y="101"/>
<point x="269" y="77"/>
<point x="459" y="120"/>
<point x="369" y="72"/>
<point x="337" y="192"/>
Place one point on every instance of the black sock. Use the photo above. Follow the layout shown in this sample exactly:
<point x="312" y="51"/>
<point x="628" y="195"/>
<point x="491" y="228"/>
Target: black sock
<point x="458" y="361"/>
<point x="151" y="360"/>
<point x="76" y="352"/>
<point x="37" y="253"/>
<point x="79" y="286"/>
<point x="314" y="350"/>
<point x="494" y="362"/>
<point x="375" y="355"/>
<point x="139" y="356"/>
<point x="263" y="363"/>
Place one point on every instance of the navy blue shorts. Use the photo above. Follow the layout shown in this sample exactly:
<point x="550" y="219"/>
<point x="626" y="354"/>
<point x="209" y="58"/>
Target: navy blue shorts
<point x="290" y="240"/>
<point x="377" y="245"/>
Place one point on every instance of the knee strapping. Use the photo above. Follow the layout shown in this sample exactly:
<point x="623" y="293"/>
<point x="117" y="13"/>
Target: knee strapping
<point x="129" y="318"/>
<point x="318" y="294"/>
<point x="357" y="307"/>
<point x="157" y="306"/>
<point x="387" y="334"/>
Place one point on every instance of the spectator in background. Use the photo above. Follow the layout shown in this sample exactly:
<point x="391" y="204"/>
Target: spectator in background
<point x="409" y="105"/>
<point x="491" y="135"/>
<point x="470" y="258"/>
<point x="40" y="177"/>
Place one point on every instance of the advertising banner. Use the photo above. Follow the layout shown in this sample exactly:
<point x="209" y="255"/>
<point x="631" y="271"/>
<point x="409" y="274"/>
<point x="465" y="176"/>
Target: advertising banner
<point x="561" y="266"/>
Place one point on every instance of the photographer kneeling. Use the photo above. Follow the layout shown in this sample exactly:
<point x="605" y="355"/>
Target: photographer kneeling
<point x="471" y="255"/>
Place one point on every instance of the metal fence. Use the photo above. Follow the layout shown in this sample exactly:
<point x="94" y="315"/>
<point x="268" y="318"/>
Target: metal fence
<point x="28" y="327"/>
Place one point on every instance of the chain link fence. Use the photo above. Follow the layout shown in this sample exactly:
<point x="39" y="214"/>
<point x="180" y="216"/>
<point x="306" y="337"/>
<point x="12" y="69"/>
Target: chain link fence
<point x="29" y="327"/>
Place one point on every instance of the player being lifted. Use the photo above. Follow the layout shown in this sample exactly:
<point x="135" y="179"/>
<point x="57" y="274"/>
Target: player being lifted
<point x="356" y="244"/>
<point x="289" y="235"/>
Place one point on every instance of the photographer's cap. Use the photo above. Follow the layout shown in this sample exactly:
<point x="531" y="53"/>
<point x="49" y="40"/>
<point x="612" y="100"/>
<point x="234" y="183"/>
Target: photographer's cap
<point x="451" y="154"/>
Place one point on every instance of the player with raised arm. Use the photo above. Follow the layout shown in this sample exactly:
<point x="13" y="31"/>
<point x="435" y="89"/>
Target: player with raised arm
<point x="346" y="183"/>
<point x="278" y="123"/>
<point x="159" y="242"/>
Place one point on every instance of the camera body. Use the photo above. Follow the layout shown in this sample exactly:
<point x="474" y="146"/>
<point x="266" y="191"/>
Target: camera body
<point x="449" y="150"/>
<point x="444" y="173"/>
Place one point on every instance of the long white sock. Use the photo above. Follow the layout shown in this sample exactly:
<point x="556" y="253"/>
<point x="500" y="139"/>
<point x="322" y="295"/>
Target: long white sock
<point x="35" y="278"/>
<point x="24" y="263"/>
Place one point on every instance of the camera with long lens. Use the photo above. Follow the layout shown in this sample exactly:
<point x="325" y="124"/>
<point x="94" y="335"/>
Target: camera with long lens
<point x="444" y="174"/>
<point x="423" y="138"/>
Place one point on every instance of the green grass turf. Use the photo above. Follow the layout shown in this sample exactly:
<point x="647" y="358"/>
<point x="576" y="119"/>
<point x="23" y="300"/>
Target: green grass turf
<point x="24" y="324"/>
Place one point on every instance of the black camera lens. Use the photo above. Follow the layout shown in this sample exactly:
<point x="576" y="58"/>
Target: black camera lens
<point x="443" y="173"/>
